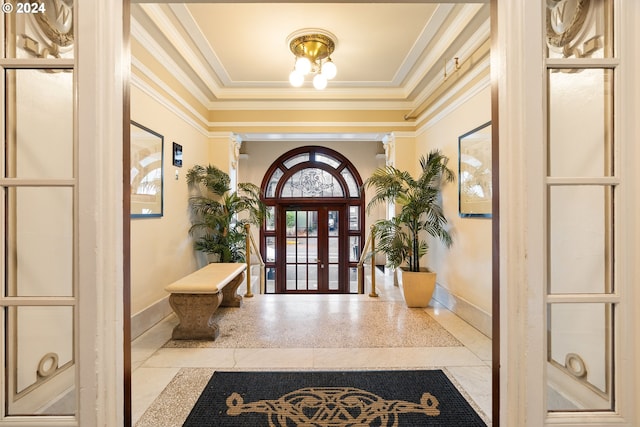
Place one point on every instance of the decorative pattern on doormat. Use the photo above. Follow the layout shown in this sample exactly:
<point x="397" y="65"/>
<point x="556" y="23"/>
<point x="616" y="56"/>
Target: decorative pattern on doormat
<point x="332" y="399"/>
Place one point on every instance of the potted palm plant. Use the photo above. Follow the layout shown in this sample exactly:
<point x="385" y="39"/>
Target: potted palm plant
<point x="218" y="216"/>
<point x="403" y="238"/>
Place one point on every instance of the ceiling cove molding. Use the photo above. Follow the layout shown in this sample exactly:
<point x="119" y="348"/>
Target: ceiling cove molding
<point x="333" y="125"/>
<point x="175" y="97"/>
<point x="165" y="25"/>
<point x="335" y="93"/>
<point x="439" y="111"/>
<point x="480" y="70"/>
<point x="136" y="81"/>
<point x="316" y="137"/>
<point x="311" y="105"/>
<point x="151" y="45"/>
<point x="473" y="45"/>
<point x="185" y="18"/>
<point x="427" y="34"/>
<point x="202" y="125"/>
<point x="436" y="53"/>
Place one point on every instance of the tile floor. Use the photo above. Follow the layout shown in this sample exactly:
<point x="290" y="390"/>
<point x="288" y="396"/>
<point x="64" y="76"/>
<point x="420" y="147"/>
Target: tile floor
<point x="154" y="366"/>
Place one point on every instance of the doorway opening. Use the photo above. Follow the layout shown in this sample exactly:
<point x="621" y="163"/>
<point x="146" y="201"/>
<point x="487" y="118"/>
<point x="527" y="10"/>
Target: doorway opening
<point x="314" y="236"/>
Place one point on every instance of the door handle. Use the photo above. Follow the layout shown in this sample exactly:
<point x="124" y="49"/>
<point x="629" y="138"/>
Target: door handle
<point x="320" y="263"/>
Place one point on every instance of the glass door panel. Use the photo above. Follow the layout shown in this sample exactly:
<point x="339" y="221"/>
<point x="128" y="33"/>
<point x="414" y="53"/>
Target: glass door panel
<point x="301" y="242"/>
<point x="312" y="244"/>
<point x="580" y="372"/>
<point x="333" y="250"/>
<point x="581" y="225"/>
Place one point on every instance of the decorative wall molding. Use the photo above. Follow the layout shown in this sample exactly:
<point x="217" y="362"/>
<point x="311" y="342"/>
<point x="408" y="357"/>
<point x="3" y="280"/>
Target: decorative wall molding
<point x="470" y="313"/>
<point x="168" y="104"/>
<point x="457" y="97"/>
<point x="145" y="319"/>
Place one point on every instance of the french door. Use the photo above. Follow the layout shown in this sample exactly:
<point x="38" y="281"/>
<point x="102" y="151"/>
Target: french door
<point x="311" y="237"/>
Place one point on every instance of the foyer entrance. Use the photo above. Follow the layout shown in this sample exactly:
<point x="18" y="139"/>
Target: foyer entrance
<point x="313" y="238"/>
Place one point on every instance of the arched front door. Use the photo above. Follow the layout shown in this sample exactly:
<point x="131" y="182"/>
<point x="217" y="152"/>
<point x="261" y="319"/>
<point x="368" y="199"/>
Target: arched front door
<point x="313" y="239"/>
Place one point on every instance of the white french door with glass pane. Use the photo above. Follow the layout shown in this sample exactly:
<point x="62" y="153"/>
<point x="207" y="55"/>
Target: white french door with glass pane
<point x="38" y="212"/>
<point x="569" y="253"/>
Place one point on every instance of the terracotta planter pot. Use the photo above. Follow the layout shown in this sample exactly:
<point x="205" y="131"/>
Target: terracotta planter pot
<point x="417" y="287"/>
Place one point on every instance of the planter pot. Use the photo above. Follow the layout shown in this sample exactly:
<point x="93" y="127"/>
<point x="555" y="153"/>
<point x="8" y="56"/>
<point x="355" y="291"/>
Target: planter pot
<point x="417" y="287"/>
<point x="213" y="257"/>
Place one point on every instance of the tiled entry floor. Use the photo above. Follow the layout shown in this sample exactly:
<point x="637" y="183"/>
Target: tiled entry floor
<point x="295" y="332"/>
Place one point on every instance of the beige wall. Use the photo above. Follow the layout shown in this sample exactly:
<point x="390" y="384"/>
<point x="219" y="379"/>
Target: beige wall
<point x="161" y="249"/>
<point x="465" y="268"/>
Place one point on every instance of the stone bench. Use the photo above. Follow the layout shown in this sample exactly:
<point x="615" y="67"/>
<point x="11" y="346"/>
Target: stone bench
<point x="197" y="296"/>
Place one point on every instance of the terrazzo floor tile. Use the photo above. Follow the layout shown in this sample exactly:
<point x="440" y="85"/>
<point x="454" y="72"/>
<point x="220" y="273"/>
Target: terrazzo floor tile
<point x="316" y="332"/>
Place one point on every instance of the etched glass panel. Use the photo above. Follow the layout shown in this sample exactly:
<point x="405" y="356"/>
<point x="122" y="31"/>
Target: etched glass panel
<point x="579" y="368"/>
<point x="580" y="123"/>
<point x="579" y="29"/>
<point x="327" y="160"/>
<point x="354" y="245"/>
<point x="354" y="191"/>
<point x="273" y="182"/>
<point x="354" y="218"/>
<point x="270" y="221"/>
<point x="270" y="256"/>
<point x="295" y="160"/>
<point x="312" y="182"/>
<point x="353" y="280"/>
<point x="41" y="375"/>
<point x="39" y="130"/>
<point x="40" y="251"/>
<point x="579" y="258"/>
<point x="270" y="281"/>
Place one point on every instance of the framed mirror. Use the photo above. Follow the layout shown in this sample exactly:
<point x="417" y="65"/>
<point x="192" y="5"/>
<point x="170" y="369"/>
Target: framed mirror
<point x="474" y="172"/>
<point x="146" y="172"/>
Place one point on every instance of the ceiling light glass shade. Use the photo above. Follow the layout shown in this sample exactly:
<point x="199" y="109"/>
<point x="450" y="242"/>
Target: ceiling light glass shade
<point x="303" y="65"/>
<point x="329" y="69"/>
<point x="296" y="78"/>
<point x="319" y="81"/>
<point x="312" y="49"/>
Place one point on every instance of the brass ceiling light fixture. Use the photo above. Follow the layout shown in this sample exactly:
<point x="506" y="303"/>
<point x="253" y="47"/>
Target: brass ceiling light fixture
<point x="312" y="49"/>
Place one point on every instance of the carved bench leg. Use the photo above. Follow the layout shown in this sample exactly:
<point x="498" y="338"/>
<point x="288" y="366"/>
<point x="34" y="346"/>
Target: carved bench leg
<point x="230" y="292"/>
<point x="195" y="312"/>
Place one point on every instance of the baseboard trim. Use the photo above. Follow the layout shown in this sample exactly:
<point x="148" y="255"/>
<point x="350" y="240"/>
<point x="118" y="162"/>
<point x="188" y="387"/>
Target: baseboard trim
<point x="470" y="313"/>
<point x="145" y="319"/>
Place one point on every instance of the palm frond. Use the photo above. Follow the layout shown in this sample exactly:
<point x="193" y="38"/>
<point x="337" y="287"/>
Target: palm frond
<point x="218" y="215"/>
<point x="419" y="208"/>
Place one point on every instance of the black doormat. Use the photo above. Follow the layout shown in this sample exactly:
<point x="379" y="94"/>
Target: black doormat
<point x="332" y="399"/>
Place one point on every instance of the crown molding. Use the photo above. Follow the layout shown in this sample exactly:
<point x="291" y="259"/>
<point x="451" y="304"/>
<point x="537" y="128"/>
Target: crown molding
<point x="151" y="45"/>
<point x="138" y="82"/>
